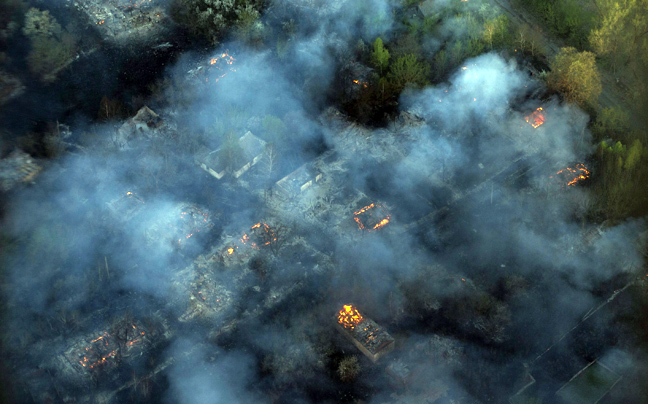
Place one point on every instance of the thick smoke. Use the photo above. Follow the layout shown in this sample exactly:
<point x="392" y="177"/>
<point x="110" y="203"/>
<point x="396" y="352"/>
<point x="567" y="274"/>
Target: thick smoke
<point x="476" y="238"/>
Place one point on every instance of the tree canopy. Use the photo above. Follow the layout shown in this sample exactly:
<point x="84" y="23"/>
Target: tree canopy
<point x="409" y="70"/>
<point x="575" y="75"/>
<point x="380" y="55"/>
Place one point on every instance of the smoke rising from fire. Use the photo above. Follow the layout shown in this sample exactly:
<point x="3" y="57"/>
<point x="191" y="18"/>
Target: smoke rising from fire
<point x="474" y="132"/>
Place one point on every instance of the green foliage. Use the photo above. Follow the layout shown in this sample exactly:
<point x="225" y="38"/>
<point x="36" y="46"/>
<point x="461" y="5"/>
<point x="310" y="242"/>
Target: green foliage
<point x="230" y="153"/>
<point x="273" y="128"/>
<point x="611" y="122"/>
<point x="496" y="30"/>
<point x="409" y="70"/>
<point x="48" y="55"/>
<point x="41" y="24"/>
<point x="211" y="18"/>
<point x="51" y="48"/>
<point x="380" y="55"/>
<point x="567" y="19"/>
<point x="440" y="63"/>
<point x="248" y="27"/>
<point x="576" y="75"/>
<point x="623" y="188"/>
<point x="348" y="369"/>
<point x="621" y="31"/>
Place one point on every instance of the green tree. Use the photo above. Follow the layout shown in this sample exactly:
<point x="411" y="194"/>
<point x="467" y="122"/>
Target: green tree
<point x="230" y="153"/>
<point x="495" y="30"/>
<point x="211" y="18"/>
<point x="51" y="48"/>
<point x="48" y="55"/>
<point x="622" y="187"/>
<point x="41" y="24"/>
<point x="380" y="55"/>
<point x="611" y="122"/>
<point x="409" y="70"/>
<point x="622" y="29"/>
<point x="575" y="75"/>
<point x="273" y="128"/>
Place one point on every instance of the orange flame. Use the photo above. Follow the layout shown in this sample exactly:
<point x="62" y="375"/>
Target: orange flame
<point x="349" y="317"/>
<point x="578" y="173"/>
<point x="536" y="119"/>
<point x="378" y="225"/>
<point x="230" y="250"/>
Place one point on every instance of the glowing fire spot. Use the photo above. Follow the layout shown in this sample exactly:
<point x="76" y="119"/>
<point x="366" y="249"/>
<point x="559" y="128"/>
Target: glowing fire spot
<point x="574" y="175"/>
<point x="536" y="119"/>
<point x="349" y="317"/>
<point x="364" y="84"/>
<point x="465" y="67"/>
<point x="230" y="251"/>
<point x="366" y="209"/>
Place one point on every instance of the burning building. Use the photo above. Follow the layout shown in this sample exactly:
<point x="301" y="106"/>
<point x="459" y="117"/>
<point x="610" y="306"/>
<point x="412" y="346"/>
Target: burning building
<point x="98" y="363"/>
<point x="570" y="176"/>
<point x="372" y="217"/>
<point x="239" y="250"/>
<point x="370" y="338"/>
<point x="251" y="151"/>
<point x="536" y="118"/>
<point x="18" y="167"/>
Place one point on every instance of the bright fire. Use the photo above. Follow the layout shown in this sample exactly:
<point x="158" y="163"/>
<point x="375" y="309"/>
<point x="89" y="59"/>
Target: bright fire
<point x="349" y="317"/>
<point x="537" y="118"/>
<point x="97" y="354"/>
<point x="364" y="83"/>
<point x="574" y="175"/>
<point x="367" y="211"/>
<point x="217" y="63"/>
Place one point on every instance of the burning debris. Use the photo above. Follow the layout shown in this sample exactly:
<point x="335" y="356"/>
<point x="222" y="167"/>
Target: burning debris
<point x="261" y="235"/>
<point x="571" y="176"/>
<point x="372" y="340"/>
<point x="194" y="221"/>
<point x="183" y="223"/>
<point x="107" y="348"/>
<point x="361" y="83"/>
<point x="537" y="118"/>
<point x="372" y="217"/>
<point x="222" y="62"/>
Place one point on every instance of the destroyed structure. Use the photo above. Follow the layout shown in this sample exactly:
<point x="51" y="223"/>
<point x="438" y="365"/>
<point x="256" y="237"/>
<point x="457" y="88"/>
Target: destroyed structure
<point x="144" y="126"/>
<point x="125" y="20"/>
<point x="304" y="177"/>
<point x="589" y="385"/>
<point x="92" y="365"/>
<point x="126" y="207"/>
<point x="18" y="167"/>
<point x="252" y="149"/>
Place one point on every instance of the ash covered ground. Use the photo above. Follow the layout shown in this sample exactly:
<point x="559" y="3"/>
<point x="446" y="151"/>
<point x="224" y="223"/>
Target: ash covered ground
<point x="456" y="219"/>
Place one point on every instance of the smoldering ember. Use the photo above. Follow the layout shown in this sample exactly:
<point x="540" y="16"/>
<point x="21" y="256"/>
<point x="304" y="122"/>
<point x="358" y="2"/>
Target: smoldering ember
<point x="308" y="201"/>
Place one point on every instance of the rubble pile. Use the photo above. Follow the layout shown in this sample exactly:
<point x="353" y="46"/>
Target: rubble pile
<point x="17" y="167"/>
<point x="121" y="19"/>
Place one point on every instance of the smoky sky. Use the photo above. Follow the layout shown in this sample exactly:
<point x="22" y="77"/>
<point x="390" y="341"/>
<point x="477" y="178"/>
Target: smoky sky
<point x="473" y="132"/>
